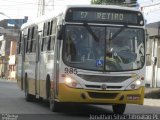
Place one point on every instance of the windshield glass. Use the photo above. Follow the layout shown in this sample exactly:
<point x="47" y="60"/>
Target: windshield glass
<point x="95" y="48"/>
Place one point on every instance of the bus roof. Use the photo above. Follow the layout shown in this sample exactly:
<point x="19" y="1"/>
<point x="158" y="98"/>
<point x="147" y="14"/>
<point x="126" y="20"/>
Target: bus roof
<point x="38" y="20"/>
<point x="102" y="6"/>
<point x="50" y="16"/>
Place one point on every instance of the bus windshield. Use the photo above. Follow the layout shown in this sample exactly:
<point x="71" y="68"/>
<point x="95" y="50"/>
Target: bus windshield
<point x="98" y="48"/>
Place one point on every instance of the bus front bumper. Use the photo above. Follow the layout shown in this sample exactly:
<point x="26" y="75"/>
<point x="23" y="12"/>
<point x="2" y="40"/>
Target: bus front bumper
<point x="67" y="94"/>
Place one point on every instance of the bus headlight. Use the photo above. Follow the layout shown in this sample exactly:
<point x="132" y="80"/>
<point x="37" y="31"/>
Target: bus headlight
<point x="134" y="85"/>
<point x="138" y="82"/>
<point x="72" y="83"/>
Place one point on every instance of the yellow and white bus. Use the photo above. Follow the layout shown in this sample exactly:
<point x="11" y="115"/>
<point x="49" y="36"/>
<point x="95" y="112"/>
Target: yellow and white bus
<point x="87" y="54"/>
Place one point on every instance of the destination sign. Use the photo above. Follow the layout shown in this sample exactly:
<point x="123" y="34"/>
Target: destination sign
<point x="110" y="16"/>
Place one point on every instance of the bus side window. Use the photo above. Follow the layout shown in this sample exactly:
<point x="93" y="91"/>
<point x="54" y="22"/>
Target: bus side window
<point x="34" y="39"/>
<point x="19" y="44"/>
<point x="49" y="44"/>
<point x="52" y="42"/>
<point x="44" y="37"/>
<point x="28" y="41"/>
<point x="48" y="29"/>
<point x="54" y="31"/>
<point x="51" y="27"/>
<point x="42" y="45"/>
<point x="49" y="36"/>
<point x="31" y="41"/>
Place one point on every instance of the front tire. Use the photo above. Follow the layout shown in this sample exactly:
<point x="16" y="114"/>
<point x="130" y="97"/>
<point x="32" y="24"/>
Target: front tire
<point x="54" y="106"/>
<point x="119" y="108"/>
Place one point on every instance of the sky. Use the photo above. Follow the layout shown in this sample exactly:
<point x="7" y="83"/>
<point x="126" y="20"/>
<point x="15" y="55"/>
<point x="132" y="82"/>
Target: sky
<point x="17" y="9"/>
<point x="148" y="2"/>
<point x="60" y="4"/>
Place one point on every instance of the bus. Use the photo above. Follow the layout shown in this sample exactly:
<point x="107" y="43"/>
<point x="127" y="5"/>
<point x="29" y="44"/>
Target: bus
<point x="87" y="54"/>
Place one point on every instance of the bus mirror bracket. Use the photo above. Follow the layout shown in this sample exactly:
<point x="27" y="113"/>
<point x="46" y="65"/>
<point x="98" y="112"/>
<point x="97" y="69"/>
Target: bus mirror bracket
<point x="60" y="32"/>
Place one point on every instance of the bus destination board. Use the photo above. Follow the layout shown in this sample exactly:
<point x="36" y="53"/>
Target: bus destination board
<point x="107" y="16"/>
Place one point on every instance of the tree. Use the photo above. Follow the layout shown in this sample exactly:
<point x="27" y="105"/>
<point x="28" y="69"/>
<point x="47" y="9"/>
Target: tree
<point x="107" y="2"/>
<point x="132" y="3"/>
<point x="129" y="3"/>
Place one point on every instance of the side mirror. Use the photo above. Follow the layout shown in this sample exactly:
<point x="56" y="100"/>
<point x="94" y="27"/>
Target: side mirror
<point x="60" y="32"/>
<point x="154" y="60"/>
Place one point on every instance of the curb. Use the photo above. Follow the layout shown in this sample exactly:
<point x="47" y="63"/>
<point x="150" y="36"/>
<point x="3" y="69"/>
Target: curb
<point x="8" y="80"/>
<point x="153" y="93"/>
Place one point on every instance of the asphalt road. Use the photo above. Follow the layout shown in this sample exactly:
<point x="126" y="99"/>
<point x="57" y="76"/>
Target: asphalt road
<point x="13" y="104"/>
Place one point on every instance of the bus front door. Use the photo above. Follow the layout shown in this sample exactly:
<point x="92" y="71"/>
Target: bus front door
<point x="37" y="69"/>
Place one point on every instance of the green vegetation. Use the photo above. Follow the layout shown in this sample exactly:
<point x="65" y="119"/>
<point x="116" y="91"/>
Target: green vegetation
<point x="129" y="3"/>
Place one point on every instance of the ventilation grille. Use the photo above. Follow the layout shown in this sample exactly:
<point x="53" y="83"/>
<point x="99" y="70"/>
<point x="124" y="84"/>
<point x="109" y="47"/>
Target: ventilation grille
<point x="102" y="79"/>
<point x="98" y="86"/>
<point x="103" y="95"/>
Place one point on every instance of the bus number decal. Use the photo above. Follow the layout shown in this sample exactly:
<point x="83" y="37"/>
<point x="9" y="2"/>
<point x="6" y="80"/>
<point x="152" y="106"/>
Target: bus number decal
<point x="70" y="70"/>
<point x="84" y="14"/>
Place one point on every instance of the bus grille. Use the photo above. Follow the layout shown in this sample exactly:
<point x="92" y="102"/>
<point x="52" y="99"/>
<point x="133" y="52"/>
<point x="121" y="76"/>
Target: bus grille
<point x="98" y="86"/>
<point x="107" y="79"/>
<point x="102" y="95"/>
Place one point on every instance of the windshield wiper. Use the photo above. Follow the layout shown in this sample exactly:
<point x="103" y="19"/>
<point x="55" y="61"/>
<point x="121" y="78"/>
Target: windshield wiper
<point x="118" y="32"/>
<point x="91" y="32"/>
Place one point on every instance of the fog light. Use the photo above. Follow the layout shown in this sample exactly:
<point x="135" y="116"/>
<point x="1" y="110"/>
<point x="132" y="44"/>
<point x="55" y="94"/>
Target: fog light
<point x="133" y="86"/>
<point x="74" y="84"/>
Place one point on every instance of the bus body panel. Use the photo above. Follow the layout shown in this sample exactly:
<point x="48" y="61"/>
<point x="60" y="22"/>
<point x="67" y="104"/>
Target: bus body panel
<point x="29" y="70"/>
<point x="19" y="71"/>
<point x="77" y="96"/>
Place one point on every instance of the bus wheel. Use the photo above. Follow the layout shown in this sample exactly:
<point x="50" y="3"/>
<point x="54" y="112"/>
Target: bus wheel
<point x="54" y="105"/>
<point x="119" y="108"/>
<point x="28" y="96"/>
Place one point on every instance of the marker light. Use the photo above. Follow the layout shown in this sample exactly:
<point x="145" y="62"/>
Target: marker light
<point x="142" y="78"/>
<point x="133" y="86"/>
